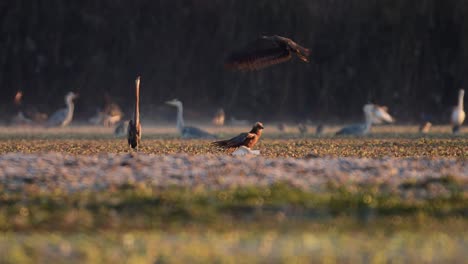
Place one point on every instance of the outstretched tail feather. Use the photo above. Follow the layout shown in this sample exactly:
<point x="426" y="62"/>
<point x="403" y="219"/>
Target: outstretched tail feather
<point x="229" y="143"/>
<point x="221" y="143"/>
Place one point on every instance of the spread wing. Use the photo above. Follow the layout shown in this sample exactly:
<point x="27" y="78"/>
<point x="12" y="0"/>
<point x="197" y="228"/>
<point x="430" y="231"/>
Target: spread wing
<point x="235" y="141"/>
<point x="300" y="51"/>
<point x="258" y="54"/>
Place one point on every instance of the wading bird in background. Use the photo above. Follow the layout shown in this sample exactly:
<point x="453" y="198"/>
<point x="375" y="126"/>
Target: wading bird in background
<point x="122" y="128"/>
<point x="380" y="115"/>
<point x="134" y="126"/>
<point x="319" y="129"/>
<point x="282" y="127"/>
<point x="247" y="140"/>
<point x="64" y="116"/>
<point x="458" y="114"/>
<point x="265" y="51"/>
<point x="219" y="117"/>
<point x="110" y="116"/>
<point x="425" y="127"/>
<point x="187" y="131"/>
<point x="18" y="99"/>
<point x="19" y="118"/>
<point x="302" y="127"/>
<point x="26" y="114"/>
<point x="372" y="114"/>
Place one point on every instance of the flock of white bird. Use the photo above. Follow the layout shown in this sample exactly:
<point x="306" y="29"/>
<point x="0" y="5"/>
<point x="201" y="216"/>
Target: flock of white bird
<point x="111" y="115"/>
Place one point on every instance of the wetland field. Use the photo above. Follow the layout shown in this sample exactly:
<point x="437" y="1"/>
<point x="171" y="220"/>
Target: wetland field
<point x="79" y="195"/>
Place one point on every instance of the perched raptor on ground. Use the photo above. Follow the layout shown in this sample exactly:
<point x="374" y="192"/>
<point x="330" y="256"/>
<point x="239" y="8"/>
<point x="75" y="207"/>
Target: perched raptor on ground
<point x="134" y="126"/>
<point x="244" y="139"/>
<point x="264" y="52"/>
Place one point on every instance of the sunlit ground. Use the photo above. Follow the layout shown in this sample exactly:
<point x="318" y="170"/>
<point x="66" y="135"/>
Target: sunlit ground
<point x="136" y="225"/>
<point x="168" y="130"/>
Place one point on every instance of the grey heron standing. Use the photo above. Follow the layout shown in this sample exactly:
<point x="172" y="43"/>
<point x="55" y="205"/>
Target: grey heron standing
<point x="187" y="131"/>
<point x="458" y="113"/>
<point x="64" y="116"/>
<point x="372" y="114"/>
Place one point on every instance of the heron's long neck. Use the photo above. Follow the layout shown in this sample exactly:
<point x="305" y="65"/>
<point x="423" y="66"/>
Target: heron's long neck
<point x="368" y="123"/>
<point x="180" y="118"/>
<point x="137" y="104"/>
<point x="460" y="100"/>
<point x="70" y="106"/>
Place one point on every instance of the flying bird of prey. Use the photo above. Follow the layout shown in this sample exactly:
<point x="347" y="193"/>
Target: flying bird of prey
<point x="244" y="139"/>
<point x="265" y="51"/>
<point x="134" y="126"/>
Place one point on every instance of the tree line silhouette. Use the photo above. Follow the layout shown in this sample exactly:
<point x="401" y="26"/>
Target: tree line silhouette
<point x="409" y="55"/>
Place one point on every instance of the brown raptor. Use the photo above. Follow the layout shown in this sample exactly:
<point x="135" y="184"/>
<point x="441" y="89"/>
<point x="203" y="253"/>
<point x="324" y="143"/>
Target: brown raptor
<point x="264" y="52"/>
<point x="244" y="139"/>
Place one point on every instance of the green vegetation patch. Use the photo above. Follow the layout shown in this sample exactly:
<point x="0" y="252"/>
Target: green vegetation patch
<point x="439" y="244"/>
<point x="132" y="207"/>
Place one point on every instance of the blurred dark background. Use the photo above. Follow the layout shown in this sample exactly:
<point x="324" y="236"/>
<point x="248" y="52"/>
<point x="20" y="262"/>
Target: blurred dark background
<point x="409" y="55"/>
